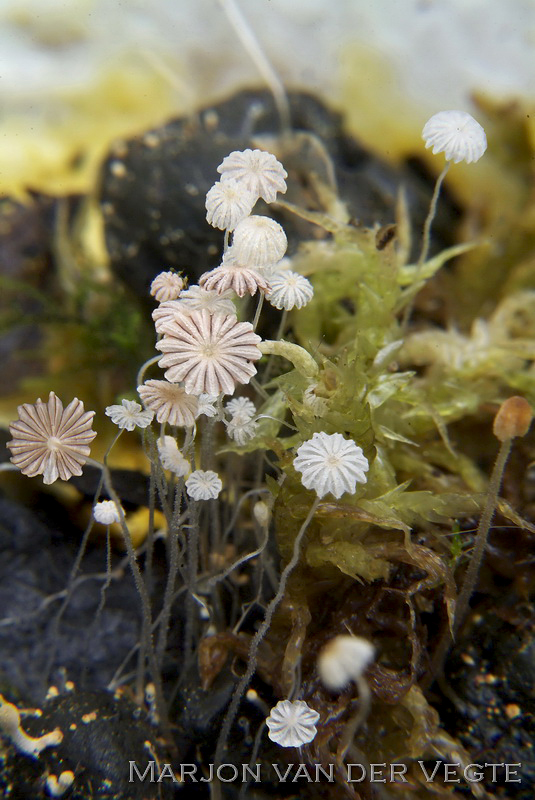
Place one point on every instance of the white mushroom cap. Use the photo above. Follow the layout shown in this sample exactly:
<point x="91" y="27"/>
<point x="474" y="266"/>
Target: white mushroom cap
<point x="343" y="659"/>
<point x="166" y="286"/>
<point x="292" y="724"/>
<point x="258" y="242"/>
<point x="456" y="134"/>
<point x="256" y="171"/>
<point x="227" y="203"/>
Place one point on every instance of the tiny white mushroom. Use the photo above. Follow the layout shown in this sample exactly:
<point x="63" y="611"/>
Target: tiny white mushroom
<point x="292" y="724"/>
<point x="331" y="463"/>
<point x="227" y="203"/>
<point x="129" y="415"/>
<point x="262" y="513"/>
<point x="456" y="134"/>
<point x="171" y="458"/>
<point x="256" y="171"/>
<point x="166" y="286"/>
<point x="203" y="485"/>
<point x="461" y="138"/>
<point x="259" y="242"/>
<point x="106" y="512"/>
<point x="344" y="659"/>
<point x="289" y="290"/>
<point x="241" y="429"/>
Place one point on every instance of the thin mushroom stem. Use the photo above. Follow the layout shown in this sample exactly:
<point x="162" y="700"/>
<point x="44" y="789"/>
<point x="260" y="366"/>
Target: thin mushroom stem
<point x="472" y="571"/>
<point x="78" y="560"/>
<point x="512" y="419"/>
<point x="426" y="238"/>
<point x="146" y="610"/>
<point x="258" y="310"/>
<point x="259" y="636"/>
<point x="356" y="720"/>
<point x="430" y="217"/>
<point x="144" y="367"/>
<point x="271" y="360"/>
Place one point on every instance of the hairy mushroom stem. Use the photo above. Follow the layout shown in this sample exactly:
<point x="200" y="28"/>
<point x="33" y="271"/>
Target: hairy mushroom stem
<point x="147" y="648"/>
<point x="356" y="719"/>
<point x="430" y="217"/>
<point x="260" y="635"/>
<point x="513" y="419"/>
<point x="426" y="239"/>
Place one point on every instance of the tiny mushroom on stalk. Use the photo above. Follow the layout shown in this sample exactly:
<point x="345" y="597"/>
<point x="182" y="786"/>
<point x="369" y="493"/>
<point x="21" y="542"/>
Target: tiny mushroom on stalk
<point x="344" y="659"/>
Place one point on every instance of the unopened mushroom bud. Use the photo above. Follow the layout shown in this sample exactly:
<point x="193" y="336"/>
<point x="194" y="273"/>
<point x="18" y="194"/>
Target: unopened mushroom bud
<point x="513" y="419"/>
<point x="56" y="787"/>
<point x="150" y="699"/>
<point x="10" y="725"/>
<point x="261" y="513"/>
<point x="344" y="659"/>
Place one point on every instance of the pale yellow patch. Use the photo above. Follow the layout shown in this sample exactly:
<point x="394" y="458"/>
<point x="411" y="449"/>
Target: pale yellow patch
<point x="60" y="152"/>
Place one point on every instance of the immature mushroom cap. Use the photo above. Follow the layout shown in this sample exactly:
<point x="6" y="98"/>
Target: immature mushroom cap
<point x="166" y="286"/>
<point x="289" y="290"/>
<point x="170" y="456"/>
<point x="343" y="659"/>
<point x="106" y="512"/>
<point x="261" y="513"/>
<point x="513" y="418"/>
<point x="227" y="203"/>
<point x="258" y="242"/>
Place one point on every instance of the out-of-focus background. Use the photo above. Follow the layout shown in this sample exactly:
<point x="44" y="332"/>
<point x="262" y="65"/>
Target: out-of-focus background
<point x="75" y="74"/>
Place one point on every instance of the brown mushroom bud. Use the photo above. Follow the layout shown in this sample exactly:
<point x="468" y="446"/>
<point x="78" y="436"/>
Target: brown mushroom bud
<point x="513" y="419"/>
